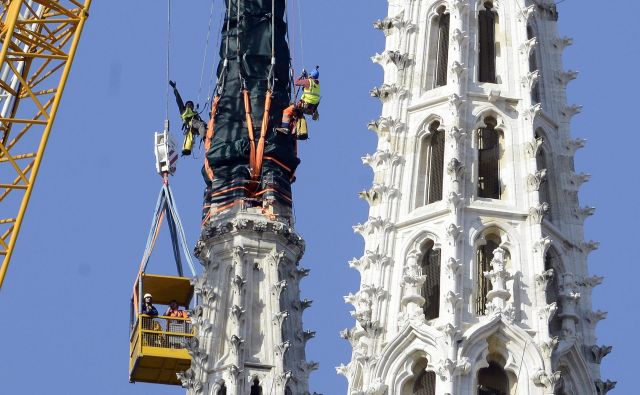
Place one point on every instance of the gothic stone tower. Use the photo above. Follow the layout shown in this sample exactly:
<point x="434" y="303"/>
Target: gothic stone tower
<point x="474" y="278"/>
<point x="249" y="318"/>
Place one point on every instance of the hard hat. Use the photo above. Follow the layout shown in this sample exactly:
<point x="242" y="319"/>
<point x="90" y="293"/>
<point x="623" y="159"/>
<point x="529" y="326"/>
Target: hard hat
<point x="147" y="296"/>
<point x="315" y="73"/>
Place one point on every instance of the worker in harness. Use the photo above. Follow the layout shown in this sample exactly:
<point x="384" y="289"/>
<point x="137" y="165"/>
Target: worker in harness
<point x="291" y="124"/>
<point x="310" y="82"/>
<point x="192" y="124"/>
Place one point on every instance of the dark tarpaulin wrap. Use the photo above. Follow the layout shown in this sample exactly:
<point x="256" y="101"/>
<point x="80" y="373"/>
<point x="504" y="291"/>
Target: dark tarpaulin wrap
<point x="247" y="47"/>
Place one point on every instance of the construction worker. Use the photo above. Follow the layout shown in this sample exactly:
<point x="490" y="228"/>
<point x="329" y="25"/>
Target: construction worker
<point x="311" y="92"/>
<point x="147" y="306"/>
<point x="288" y="120"/>
<point x="192" y="124"/>
<point x="174" y="310"/>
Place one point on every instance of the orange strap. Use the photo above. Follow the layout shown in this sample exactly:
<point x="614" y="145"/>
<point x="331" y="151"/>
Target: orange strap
<point x="263" y="133"/>
<point x="209" y="136"/>
<point x="247" y="111"/>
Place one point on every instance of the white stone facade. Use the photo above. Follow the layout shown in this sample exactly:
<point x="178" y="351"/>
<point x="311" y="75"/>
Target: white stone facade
<point x="535" y="324"/>
<point x="249" y="316"/>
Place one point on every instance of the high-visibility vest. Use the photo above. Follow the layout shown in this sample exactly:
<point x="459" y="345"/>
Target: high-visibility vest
<point x="312" y="94"/>
<point x="188" y="115"/>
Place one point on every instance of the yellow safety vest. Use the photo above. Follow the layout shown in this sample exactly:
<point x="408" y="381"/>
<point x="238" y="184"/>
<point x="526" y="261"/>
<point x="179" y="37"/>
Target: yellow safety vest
<point x="312" y="94"/>
<point x="188" y="114"/>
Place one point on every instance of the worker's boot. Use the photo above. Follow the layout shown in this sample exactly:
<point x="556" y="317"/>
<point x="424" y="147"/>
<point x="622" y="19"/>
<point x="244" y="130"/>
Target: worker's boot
<point x="316" y="115"/>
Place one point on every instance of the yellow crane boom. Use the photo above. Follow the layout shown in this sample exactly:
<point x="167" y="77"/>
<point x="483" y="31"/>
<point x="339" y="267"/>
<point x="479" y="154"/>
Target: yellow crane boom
<point x="39" y="39"/>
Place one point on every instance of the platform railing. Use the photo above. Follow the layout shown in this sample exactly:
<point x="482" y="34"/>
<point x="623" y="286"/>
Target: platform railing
<point x="164" y="332"/>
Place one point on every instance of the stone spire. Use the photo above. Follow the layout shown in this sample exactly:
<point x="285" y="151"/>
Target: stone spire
<point x="474" y="276"/>
<point x="249" y="314"/>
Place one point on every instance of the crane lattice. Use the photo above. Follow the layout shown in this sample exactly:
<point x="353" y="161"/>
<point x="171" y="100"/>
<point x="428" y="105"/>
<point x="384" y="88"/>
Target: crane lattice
<point x="39" y="40"/>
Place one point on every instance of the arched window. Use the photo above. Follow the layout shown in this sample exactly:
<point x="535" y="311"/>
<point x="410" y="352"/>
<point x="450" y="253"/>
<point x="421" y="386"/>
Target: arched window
<point x="541" y="164"/>
<point x="483" y="264"/>
<point x="222" y="390"/>
<point x="431" y="287"/>
<point x="489" y="160"/>
<point x="431" y="166"/>
<point x="487" y="18"/>
<point x="552" y="261"/>
<point x="493" y="380"/>
<point x="533" y="66"/>
<point x="256" y="389"/>
<point x="425" y="384"/>
<point x="442" y="57"/>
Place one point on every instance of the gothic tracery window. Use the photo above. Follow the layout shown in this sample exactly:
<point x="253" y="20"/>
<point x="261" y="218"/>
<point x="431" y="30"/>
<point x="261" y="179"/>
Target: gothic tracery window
<point x="431" y="166"/>
<point x="256" y="389"/>
<point x="431" y="287"/>
<point x="552" y="261"/>
<point x="425" y="384"/>
<point x="489" y="160"/>
<point x="487" y="18"/>
<point x="442" y="57"/>
<point x="493" y="380"/>
<point x="484" y="256"/>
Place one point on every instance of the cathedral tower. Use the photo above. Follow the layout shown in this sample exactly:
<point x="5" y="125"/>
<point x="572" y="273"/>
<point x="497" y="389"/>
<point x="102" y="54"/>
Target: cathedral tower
<point x="474" y="278"/>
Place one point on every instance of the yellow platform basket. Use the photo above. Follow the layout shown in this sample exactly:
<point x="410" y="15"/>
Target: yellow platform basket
<point x="157" y="344"/>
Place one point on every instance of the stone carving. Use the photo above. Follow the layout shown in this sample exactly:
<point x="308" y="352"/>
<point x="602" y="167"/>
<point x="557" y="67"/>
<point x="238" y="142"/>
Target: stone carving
<point x="236" y="342"/>
<point x="599" y="353"/>
<point x="457" y="134"/>
<point x="308" y="367"/>
<point x="526" y="12"/>
<point x="381" y="158"/>
<point x="541" y="246"/>
<point x="387" y="24"/>
<point x="528" y="46"/>
<point x="189" y="380"/>
<point x="453" y="301"/>
<point x="533" y="147"/>
<point x="308" y="335"/>
<point x="205" y="292"/>
<point x="372" y="225"/>
<point x="529" y="80"/>
<point x="453" y="266"/>
<point x="377" y="387"/>
<point x="582" y="213"/>
<point x="547" y="312"/>
<point x="400" y="60"/>
<point x="544" y="278"/>
<point x="459" y="5"/>
<point x="570" y="111"/>
<point x="567" y="76"/>
<point x="458" y="69"/>
<point x="536" y="214"/>
<point x="239" y="282"/>
<point x="499" y="295"/>
<point x="237" y="312"/>
<point x="575" y="180"/>
<point x="593" y="317"/>
<point x="278" y="318"/>
<point x="549" y="381"/>
<point x="604" y="386"/>
<point x="574" y="145"/>
<point x="454" y="102"/>
<point x="451" y="333"/>
<point x="459" y="37"/>
<point x="385" y="91"/>
<point x="591" y="282"/>
<point x="283" y="378"/>
<point x="385" y="125"/>
<point x="589" y="246"/>
<point x="198" y="354"/>
<point x="550" y="346"/>
<point x="454" y="231"/>
<point x="282" y="348"/>
<point x="454" y="201"/>
<point x="247" y="222"/>
<point x="456" y="170"/>
<point x="532" y="112"/>
<point x="447" y="369"/>
<point x="278" y="287"/>
<point x="305" y="304"/>
<point x="534" y="181"/>
<point x="302" y="272"/>
<point x="562" y="42"/>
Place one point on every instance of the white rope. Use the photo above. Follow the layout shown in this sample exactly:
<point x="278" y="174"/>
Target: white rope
<point x="166" y="96"/>
<point x="206" y="50"/>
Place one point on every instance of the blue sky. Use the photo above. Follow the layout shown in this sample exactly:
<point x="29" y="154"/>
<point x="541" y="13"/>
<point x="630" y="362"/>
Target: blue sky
<point x="67" y="291"/>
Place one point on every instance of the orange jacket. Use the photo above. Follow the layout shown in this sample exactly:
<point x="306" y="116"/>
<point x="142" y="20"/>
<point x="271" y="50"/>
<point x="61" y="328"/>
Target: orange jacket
<point x="177" y="313"/>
